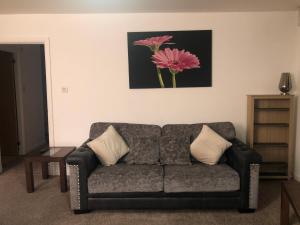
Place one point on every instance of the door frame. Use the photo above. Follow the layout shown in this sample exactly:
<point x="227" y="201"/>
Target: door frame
<point x="46" y="42"/>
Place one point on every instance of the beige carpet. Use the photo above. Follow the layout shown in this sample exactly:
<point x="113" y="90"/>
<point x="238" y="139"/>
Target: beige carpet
<point x="47" y="205"/>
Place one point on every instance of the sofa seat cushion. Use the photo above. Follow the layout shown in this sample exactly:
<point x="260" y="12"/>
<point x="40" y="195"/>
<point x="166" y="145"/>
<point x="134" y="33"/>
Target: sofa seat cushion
<point x="126" y="178"/>
<point x="200" y="178"/>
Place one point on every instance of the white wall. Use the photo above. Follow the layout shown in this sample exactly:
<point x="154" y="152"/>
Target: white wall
<point x="29" y="95"/>
<point x="89" y="56"/>
<point x="297" y="85"/>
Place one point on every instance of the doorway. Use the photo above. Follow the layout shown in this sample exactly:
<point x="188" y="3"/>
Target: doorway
<point x="24" y="115"/>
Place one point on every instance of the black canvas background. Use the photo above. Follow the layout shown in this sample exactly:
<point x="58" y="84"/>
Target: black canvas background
<point x="142" y="71"/>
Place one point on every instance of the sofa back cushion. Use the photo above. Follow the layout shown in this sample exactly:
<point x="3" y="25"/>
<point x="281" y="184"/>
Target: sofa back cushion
<point x="138" y="138"/>
<point x="209" y="146"/>
<point x="225" y="129"/>
<point x="143" y="150"/>
<point x="109" y="147"/>
<point x="126" y="130"/>
<point x="175" y="150"/>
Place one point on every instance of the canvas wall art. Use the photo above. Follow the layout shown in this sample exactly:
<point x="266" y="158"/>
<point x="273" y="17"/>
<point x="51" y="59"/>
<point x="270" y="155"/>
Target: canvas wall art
<point x="170" y="59"/>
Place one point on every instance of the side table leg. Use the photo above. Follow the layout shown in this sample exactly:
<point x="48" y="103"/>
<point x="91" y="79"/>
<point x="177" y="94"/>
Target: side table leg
<point x="45" y="173"/>
<point x="63" y="176"/>
<point x="284" y="215"/>
<point x="29" y="176"/>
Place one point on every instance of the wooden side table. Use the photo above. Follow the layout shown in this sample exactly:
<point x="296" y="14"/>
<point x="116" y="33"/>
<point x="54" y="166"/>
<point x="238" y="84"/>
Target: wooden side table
<point x="290" y="195"/>
<point x="52" y="154"/>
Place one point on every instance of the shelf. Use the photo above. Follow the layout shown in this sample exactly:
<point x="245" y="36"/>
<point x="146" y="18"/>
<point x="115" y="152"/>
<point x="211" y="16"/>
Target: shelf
<point x="272" y="109"/>
<point x="270" y="120"/>
<point x="281" y="145"/>
<point x="272" y="124"/>
<point x="273" y="176"/>
<point x="274" y="163"/>
<point x="274" y="169"/>
<point x="283" y="173"/>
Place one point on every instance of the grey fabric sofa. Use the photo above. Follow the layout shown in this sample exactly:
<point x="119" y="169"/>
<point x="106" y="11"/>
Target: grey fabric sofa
<point x="232" y="183"/>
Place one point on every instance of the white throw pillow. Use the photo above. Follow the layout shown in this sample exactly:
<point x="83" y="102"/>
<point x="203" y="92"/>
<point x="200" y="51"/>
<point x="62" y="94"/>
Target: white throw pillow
<point x="209" y="146"/>
<point x="109" y="147"/>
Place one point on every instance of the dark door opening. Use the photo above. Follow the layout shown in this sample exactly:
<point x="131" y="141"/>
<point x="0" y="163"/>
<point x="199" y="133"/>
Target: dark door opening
<point x="23" y="99"/>
<point x="8" y="114"/>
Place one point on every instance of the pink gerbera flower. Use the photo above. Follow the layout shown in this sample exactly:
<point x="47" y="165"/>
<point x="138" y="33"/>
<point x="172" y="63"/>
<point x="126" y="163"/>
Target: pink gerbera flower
<point x="175" y="60"/>
<point x="154" y="42"/>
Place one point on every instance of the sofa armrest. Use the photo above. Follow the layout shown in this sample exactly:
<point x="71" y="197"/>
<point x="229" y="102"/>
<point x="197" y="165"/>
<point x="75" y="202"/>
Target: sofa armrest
<point x="85" y="158"/>
<point x="246" y="162"/>
<point x="81" y="163"/>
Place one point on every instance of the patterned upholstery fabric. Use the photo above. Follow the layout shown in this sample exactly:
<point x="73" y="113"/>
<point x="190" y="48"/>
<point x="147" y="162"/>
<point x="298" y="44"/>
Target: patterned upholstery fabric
<point x="200" y="178"/>
<point x="175" y="150"/>
<point x="126" y="130"/>
<point x="254" y="186"/>
<point x="223" y="159"/>
<point x="225" y="129"/>
<point x="126" y="178"/>
<point x="143" y="150"/>
<point x="74" y="186"/>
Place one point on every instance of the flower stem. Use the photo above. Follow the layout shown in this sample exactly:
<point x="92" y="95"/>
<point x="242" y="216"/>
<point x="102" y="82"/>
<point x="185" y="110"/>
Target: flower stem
<point x="174" y="80"/>
<point x="161" y="82"/>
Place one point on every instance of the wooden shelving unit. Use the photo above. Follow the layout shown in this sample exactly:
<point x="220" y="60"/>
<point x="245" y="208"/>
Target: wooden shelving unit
<point x="271" y="132"/>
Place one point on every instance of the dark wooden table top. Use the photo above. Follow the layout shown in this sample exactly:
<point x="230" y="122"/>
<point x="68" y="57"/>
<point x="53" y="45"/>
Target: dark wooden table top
<point x="292" y="189"/>
<point x="50" y="154"/>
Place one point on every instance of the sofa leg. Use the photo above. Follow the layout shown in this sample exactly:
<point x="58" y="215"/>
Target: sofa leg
<point x="246" y="210"/>
<point x="81" y="211"/>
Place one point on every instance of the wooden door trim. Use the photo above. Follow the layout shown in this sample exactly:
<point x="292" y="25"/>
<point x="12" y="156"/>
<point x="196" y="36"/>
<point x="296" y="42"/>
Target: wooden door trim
<point x="46" y="42"/>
